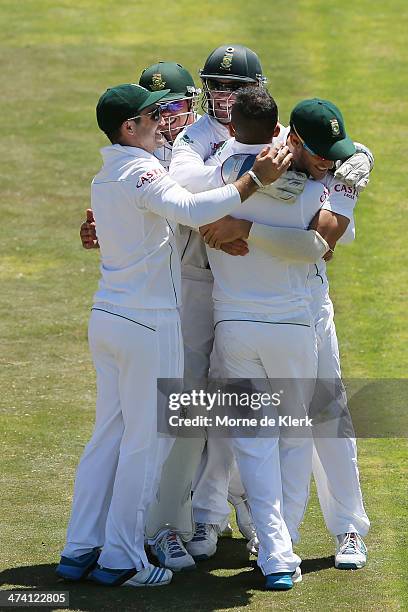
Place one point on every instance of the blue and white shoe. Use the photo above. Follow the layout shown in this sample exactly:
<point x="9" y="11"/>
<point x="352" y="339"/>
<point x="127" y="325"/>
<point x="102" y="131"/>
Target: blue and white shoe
<point x="203" y="545"/>
<point x="76" y="568"/>
<point x="351" y="552"/>
<point x="278" y="582"/>
<point x="171" y="553"/>
<point x="150" y="577"/>
<point x="282" y="581"/>
<point x="147" y="577"/>
<point x="111" y="577"/>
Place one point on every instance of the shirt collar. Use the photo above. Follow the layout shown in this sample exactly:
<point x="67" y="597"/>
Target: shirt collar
<point x="240" y="147"/>
<point x="116" y="149"/>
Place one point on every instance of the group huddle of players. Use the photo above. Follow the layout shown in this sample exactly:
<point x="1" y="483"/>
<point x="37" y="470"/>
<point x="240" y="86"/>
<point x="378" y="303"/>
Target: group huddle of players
<point x="254" y="305"/>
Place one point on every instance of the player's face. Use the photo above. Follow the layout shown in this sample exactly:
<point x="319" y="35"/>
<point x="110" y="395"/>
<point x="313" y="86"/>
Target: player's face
<point x="149" y="128"/>
<point x="305" y="160"/>
<point x="220" y="96"/>
<point x="315" y="165"/>
<point x="176" y="115"/>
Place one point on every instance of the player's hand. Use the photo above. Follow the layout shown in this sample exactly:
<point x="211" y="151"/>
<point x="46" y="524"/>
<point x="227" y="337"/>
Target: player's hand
<point x="225" y="230"/>
<point x="271" y="163"/>
<point x="288" y="187"/>
<point x="355" y="171"/>
<point x="238" y="247"/>
<point x="87" y="232"/>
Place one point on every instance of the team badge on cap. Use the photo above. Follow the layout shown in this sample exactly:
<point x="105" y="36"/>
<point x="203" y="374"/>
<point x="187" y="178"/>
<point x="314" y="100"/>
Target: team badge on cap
<point x="335" y="128"/>
<point x="227" y="59"/>
<point x="157" y="82"/>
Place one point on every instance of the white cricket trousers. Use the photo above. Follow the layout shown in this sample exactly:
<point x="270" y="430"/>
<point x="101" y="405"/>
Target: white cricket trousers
<point x="335" y="466"/>
<point x="120" y="467"/>
<point x="275" y="470"/>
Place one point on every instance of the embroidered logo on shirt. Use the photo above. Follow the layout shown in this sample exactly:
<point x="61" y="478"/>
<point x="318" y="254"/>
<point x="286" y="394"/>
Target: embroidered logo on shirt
<point x="185" y="138"/>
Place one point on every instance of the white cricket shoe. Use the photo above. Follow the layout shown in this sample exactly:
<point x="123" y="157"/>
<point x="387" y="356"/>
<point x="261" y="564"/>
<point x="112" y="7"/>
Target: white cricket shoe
<point x="351" y="552"/>
<point x="203" y="545"/>
<point x="243" y="516"/>
<point x="170" y="552"/>
<point x="150" y="576"/>
<point x="147" y="577"/>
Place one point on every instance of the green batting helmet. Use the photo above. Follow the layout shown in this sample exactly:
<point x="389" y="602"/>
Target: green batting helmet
<point x="234" y="62"/>
<point x="169" y="75"/>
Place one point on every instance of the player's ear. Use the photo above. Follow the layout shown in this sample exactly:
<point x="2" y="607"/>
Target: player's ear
<point x="127" y="128"/>
<point x="276" y="130"/>
<point x="295" y="141"/>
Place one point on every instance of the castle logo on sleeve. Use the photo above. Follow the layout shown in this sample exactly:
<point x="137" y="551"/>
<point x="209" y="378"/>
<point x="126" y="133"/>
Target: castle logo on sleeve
<point x="150" y="176"/>
<point x="348" y="191"/>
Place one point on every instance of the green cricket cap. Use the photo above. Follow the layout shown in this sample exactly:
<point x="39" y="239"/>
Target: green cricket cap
<point x="122" y="102"/>
<point x="321" y="125"/>
<point x="171" y="75"/>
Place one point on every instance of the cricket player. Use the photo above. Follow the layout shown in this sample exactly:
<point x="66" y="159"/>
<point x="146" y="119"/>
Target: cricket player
<point x="135" y="313"/>
<point x="169" y="519"/>
<point x="263" y="329"/>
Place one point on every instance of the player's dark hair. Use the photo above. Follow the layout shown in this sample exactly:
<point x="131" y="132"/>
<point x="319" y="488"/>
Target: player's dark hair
<point x="256" y="104"/>
<point x="114" y="136"/>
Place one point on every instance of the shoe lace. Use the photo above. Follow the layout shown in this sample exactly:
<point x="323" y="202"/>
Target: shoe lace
<point x="173" y="543"/>
<point x="350" y="544"/>
<point x="200" y="530"/>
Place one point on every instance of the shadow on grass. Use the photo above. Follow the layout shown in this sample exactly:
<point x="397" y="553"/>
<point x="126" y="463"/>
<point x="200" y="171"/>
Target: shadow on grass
<point x="226" y="581"/>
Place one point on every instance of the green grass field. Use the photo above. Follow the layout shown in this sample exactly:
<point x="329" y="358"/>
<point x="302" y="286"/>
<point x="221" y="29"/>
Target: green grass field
<point x="58" y="57"/>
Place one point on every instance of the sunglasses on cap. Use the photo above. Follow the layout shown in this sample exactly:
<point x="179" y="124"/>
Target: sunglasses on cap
<point x="308" y="149"/>
<point x="154" y="115"/>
